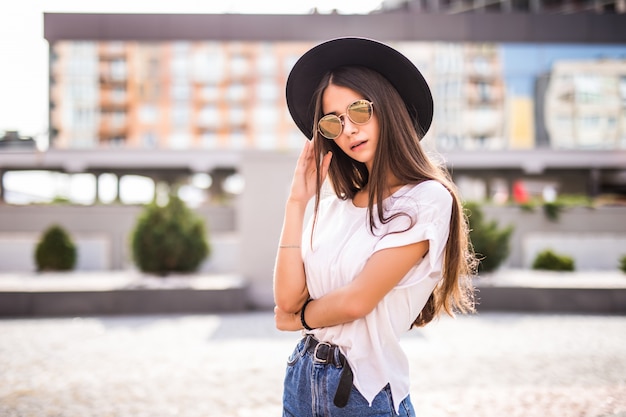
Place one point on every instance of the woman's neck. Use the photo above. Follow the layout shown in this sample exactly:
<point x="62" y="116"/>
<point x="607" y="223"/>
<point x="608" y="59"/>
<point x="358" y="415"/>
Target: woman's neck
<point x="361" y="198"/>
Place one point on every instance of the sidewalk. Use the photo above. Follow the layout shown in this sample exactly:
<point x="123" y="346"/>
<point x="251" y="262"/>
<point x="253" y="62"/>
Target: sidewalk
<point x="232" y="365"/>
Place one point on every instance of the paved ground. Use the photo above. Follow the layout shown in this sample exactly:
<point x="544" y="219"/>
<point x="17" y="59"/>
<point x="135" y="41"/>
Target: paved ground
<point x="232" y="365"/>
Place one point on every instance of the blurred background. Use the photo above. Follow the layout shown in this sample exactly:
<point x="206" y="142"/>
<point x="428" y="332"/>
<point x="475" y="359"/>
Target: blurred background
<point x="146" y="152"/>
<point x="111" y="106"/>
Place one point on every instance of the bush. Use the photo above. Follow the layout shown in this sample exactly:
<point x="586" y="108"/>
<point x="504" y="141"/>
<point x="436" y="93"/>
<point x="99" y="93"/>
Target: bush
<point x="548" y="260"/>
<point x="622" y="263"/>
<point x="491" y="243"/>
<point x="55" y="250"/>
<point x="169" y="239"/>
<point x="552" y="210"/>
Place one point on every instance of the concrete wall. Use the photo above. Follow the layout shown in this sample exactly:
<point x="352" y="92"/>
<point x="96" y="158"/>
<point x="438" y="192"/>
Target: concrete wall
<point x="102" y="235"/>
<point x="594" y="237"/>
<point x="260" y="215"/>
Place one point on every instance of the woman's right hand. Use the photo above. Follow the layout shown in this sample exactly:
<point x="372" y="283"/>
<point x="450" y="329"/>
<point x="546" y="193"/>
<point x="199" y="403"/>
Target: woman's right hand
<point x="304" y="178"/>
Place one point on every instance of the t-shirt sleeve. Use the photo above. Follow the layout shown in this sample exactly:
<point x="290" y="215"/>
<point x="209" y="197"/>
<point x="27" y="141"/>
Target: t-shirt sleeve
<point x="426" y="216"/>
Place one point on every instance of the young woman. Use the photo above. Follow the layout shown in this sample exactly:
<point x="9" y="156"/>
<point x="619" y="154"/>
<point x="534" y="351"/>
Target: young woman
<point x="387" y="252"/>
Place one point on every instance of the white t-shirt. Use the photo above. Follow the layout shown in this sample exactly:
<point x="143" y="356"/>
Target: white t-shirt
<point x="343" y="243"/>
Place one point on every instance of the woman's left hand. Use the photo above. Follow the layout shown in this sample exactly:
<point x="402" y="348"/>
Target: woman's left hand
<point x="289" y="322"/>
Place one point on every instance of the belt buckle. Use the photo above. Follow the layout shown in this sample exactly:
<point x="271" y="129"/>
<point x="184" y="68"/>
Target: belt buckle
<point x="317" y="358"/>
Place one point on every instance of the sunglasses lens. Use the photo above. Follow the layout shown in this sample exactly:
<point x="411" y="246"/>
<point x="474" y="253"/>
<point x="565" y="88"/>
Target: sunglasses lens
<point x="330" y="126"/>
<point x="360" y="111"/>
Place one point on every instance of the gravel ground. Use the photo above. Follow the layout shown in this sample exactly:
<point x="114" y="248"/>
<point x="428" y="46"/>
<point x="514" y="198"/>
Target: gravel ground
<point x="486" y="365"/>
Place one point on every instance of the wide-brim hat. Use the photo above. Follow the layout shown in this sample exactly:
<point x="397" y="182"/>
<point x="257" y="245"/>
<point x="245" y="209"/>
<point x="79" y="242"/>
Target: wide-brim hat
<point x="309" y="70"/>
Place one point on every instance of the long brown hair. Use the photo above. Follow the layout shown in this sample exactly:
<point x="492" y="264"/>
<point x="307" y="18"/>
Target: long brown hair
<point x="398" y="152"/>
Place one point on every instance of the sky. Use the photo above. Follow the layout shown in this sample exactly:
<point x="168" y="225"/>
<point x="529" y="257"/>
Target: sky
<point x="24" y="51"/>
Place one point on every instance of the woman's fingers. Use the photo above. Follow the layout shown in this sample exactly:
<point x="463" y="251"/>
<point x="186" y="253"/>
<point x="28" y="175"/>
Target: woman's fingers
<point x="305" y="175"/>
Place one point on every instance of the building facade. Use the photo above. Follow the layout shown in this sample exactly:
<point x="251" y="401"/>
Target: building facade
<point x="585" y="104"/>
<point x="229" y="95"/>
<point x="172" y="95"/>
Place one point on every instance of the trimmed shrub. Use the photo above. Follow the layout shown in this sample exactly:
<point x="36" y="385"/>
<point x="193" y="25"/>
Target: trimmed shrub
<point x="553" y="210"/>
<point x="622" y="264"/>
<point x="551" y="261"/>
<point x="169" y="239"/>
<point x="55" y="250"/>
<point x="491" y="243"/>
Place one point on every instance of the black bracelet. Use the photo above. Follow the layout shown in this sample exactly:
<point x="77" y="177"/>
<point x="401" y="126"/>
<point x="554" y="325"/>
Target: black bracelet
<point x="306" y="326"/>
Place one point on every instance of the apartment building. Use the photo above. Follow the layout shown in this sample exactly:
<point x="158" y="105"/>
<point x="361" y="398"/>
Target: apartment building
<point x="585" y="104"/>
<point x="229" y="95"/>
<point x="171" y="95"/>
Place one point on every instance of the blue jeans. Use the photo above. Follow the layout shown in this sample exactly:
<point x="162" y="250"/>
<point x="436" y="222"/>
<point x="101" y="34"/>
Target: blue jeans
<point x="310" y="387"/>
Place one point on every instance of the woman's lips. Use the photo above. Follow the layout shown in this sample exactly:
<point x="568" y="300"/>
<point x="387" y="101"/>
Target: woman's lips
<point x="357" y="145"/>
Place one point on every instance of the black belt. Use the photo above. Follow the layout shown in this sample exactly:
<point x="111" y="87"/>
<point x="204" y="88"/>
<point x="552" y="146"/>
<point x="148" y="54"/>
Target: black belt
<point x="323" y="352"/>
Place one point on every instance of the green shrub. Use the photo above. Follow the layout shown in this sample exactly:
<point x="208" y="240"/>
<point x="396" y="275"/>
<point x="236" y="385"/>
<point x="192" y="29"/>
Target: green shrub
<point x="552" y="210"/>
<point x="552" y="261"/>
<point x="169" y="239"/>
<point x="622" y="263"/>
<point x="491" y="243"/>
<point x="55" y="250"/>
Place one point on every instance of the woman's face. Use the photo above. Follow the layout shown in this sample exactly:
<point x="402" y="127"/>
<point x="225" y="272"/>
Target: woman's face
<point x="358" y="141"/>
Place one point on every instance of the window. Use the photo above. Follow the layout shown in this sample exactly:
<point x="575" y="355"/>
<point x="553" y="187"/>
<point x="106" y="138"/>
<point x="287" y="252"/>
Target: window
<point x="237" y="92"/>
<point x="181" y="92"/>
<point x="181" y="114"/>
<point x="210" y="116"/>
<point x="148" y="114"/>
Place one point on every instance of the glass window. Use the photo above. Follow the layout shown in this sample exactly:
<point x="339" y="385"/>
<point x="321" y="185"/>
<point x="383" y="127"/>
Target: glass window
<point x="215" y="69"/>
<point x="266" y="64"/>
<point x="180" y="140"/>
<point x="181" y="91"/>
<point x="266" y="140"/>
<point x="237" y="140"/>
<point x="181" y="114"/>
<point x="209" y="140"/>
<point x="267" y="91"/>
<point x="210" y="93"/>
<point x="117" y="70"/>
<point x="239" y="66"/>
<point x="148" y="113"/>
<point x="237" y="92"/>
<point x="265" y="117"/>
<point x="237" y="116"/>
<point x="149" y="140"/>
<point x="210" y="116"/>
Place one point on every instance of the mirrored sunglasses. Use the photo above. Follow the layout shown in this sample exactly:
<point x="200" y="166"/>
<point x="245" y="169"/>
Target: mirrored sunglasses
<point x="359" y="112"/>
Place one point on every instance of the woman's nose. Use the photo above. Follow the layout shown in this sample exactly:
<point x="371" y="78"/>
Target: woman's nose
<point x="349" y="127"/>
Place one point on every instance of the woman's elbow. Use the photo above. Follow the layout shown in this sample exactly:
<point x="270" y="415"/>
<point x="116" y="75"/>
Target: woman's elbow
<point x="288" y="305"/>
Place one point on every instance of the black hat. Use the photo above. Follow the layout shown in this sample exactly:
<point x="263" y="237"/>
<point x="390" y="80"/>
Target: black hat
<point x="308" y="71"/>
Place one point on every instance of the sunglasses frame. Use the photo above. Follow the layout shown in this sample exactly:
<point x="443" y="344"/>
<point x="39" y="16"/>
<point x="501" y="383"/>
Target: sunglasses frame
<point x="346" y="114"/>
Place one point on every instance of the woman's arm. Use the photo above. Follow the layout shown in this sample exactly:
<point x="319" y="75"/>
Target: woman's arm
<point x="382" y="272"/>
<point x="290" y="290"/>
